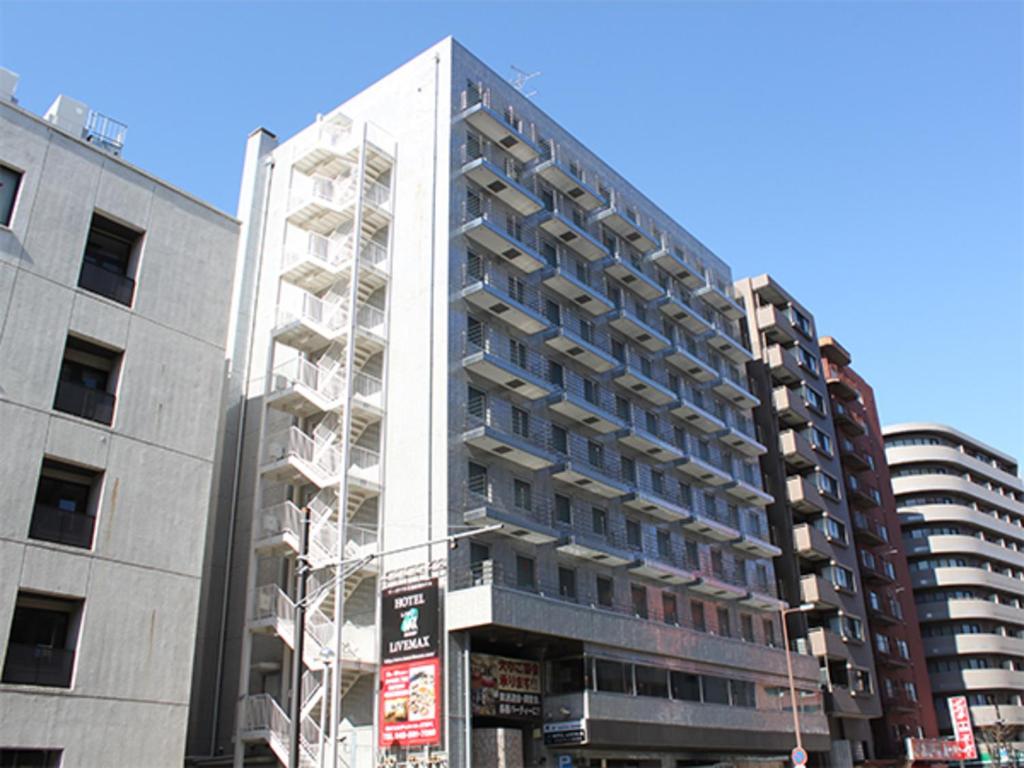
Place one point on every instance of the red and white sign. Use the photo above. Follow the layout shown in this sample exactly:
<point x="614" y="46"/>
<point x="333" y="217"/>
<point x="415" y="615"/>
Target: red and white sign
<point x="963" y="734"/>
<point x="933" y="750"/>
<point x="410" y="703"/>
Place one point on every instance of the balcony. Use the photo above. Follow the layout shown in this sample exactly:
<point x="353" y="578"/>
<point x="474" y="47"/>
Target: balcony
<point x="740" y="441"/>
<point x="679" y="306"/>
<point x="61" y="526"/>
<point x="662" y="506"/>
<point x="791" y="407"/>
<point x="593" y="467"/>
<point x="819" y="592"/>
<point x="524" y="519"/>
<point x="504" y="361"/>
<point x="582" y="342"/>
<point x="498" y="173"/>
<point x="570" y="229"/>
<point x="810" y="543"/>
<point x="328" y="149"/>
<point x="594" y="548"/>
<point x="295" y="458"/>
<point x="83" y="401"/>
<point x="854" y="458"/>
<point x="623" y="222"/>
<point x="38" y="665"/>
<point x="847" y="420"/>
<point x="499" y="230"/>
<point x="876" y="570"/>
<point x="673" y="261"/>
<point x="862" y="495"/>
<point x="825" y="643"/>
<point x="570" y="277"/>
<point x="796" y="449"/>
<point x="655" y="440"/>
<point x="703" y="470"/>
<point x="322" y="203"/>
<point x="633" y="377"/>
<point x="776" y="325"/>
<point x="684" y="357"/>
<point x="721" y="583"/>
<point x="502" y="295"/>
<point x="587" y="403"/>
<point x="316" y="262"/>
<point x="622" y="268"/>
<point x="690" y="410"/>
<point x="841" y="388"/>
<point x="725" y="341"/>
<point x="262" y="719"/>
<point x="303" y="388"/>
<point x="734" y="388"/>
<point x="866" y="530"/>
<point x="748" y="493"/>
<point x="566" y="176"/>
<point x="662" y="571"/>
<point x="803" y="495"/>
<point x="719" y="296"/>
<point x="634" y="325"/>
<point x="783" y="365"/>
<point x="499" y="130"/>
<point x="523" y="440"/>
<point x="756" y="540"/>
<point x="309" y="323"/>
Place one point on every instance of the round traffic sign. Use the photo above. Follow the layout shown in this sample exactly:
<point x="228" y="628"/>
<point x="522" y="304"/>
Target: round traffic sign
<point x="799" y="756"/>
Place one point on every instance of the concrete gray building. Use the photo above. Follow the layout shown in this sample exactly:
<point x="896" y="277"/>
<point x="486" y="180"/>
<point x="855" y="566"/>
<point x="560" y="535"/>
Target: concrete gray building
<point x="815" y="510"/>
<point x="455" y="316"/>
<point x="114" y="301"/>
<point x="961" y="509"/>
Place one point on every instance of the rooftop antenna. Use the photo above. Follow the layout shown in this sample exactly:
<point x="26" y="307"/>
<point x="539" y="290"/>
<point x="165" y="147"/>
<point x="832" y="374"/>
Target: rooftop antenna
<point x="520" y="78"/>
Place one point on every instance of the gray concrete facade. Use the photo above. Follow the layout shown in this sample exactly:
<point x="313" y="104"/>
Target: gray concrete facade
<point x="132" y="584"/>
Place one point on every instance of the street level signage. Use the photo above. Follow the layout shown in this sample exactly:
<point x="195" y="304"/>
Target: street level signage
<point x="799" y="756"/>
<point x="963" y="734"/>
<point x="565" y="732"/>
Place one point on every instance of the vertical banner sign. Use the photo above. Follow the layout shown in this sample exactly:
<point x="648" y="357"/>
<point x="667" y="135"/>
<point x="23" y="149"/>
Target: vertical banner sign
<point x="504" y="687"/>
<point x="963" y="734"/>
<point x="410" y="672"/>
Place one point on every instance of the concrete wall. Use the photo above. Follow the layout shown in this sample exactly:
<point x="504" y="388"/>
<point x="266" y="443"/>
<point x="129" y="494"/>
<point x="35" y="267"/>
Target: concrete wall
<point x="140" y="581"/>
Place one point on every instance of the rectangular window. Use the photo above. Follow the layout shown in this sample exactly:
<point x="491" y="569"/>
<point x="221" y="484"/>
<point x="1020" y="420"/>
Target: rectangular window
<point x="605" y="592"/>
<point x="563" y="510"/>
<point x="87" y="381"/>
<point x="517" y="353"/>
<point x="769" y="633"/>
<point x="599" y="521"/>
<point x="716" y="690"/>
<point x="822" y="441"/>
<point x="559" y="439"/>
<point x="634" y="537"/>
<point x="638" y="598"/>
<point x="747" y="628"/>
<point x="627" y="469"/>
<point x="567" y="676"/>
<point x="520" y="422"/>
<point x="651" y="681"/>
<point x="815" y="400"/>
<point x="692" y="555"/>
<point x="522" y="495"/>
<point x="477" y="479"/>
<point x="657" y="482"/>
<point x="567" y="583"/>
<point x="669" y="608"/>
<point x="665" y="545"/>
<point x="827" y="484"/>
<point x="724" y="628"/>
<point x="30" y="758"/>
<point x="65" y="505"/>
<point x="685" y="687"/>
<point x="525" y="576"/>
<point x="41" y="645"/>
<point x="110" y="260"/>
<point x="556" y="374"/>
<point x="10" y="182"/>
<point x="697" y="616"/>
<point x="742" y="693"/>
<point x="622" y="409"/>
<point x="552" y="311"/>
<point x="612" y="676"/>
<point x="595" y="454"/>
<point x="476" y="402"/>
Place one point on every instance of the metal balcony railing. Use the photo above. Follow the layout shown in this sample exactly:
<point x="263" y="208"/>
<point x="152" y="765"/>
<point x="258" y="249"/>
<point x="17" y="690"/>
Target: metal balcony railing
<point x="378" y="195"/>
<point x="503" y="416"/>
<point x="294" y="443"/>
<point x="484" y="339"/>
<point x="301" y="306"/>
<point x="481" y="491"/>
<point x="652" y="425"/>
<point x="502" y="217"/>
<point x="78" y="400"/>
<point x="116" y="286"/>
<point x="327" y="383"/>
<point x="476" y="149"/>
<point x="324" y="190"/>
<point x="480" y="269"/>
<point x="364" y="464"/>
<point x="600" y="457"/>
<point x="595" y="335"/>
<point x="594" y="394"/>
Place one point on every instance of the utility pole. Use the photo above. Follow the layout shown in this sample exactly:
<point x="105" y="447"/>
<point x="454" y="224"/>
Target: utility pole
<point x="299" y="629"/>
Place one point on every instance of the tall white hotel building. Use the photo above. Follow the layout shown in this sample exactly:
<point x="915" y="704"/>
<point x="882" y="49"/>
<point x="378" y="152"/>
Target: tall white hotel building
<point x="452" y="315"/>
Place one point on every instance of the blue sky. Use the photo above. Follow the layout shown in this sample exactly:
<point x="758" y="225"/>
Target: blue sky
<point x="869" y="155"/>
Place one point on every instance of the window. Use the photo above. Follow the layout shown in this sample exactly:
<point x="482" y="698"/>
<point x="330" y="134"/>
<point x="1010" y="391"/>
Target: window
<point x="478" y="555"/>
<point x="605" y="591"/>
<point x="807" y="360"/>
<point x="517" y="353"/>
<point x="910" y="690"/>
<point x="882" y="643"/>
<point x="716" y="690"/>
<point x="634" y="535"/>
<point x="556" y="374"/>
<point x="41" y="646"/>
<point x="747" y="627"/>
<point x="815" y="400"/>
<point x="742" y="693"/>
<point x="30" y="758"/>
<point x="692" y="555"/>
<point x="697" y="616"/>
<point x="903" y="649"/>
<point x="559" y="439"/>
<point x="840" y="576"/>
<point x="520" y="422"/>
<point x="552" y="310"/>
<point x="833" y="529"/>
<point x="599" y="521"/>
<point x="590" y="392"/>
<point x="110" y="260"/>
<point x="685" y="687"/>
<point x="657" y="482"/>
<point x="638" y="598"/>
<point x="801" y="321"/>
<point x="822" y="441"/>
<point x="651" y="681"/>
<point x="853" y="627"/>
<point x="522" y="495"/>
<point x="862" y="681"/>
<point x="65" y="505"/>
<point x="622" y="409"/>
<point x="10" y="181"/>
<point x="669" y="608"/>
<point x="88" y="378"/>
<point x="477" y="479"/>
<point x="563" y="510"/>
<point x="686" y="494"/>
<point x="612" y="676"/>
<point x="724" y="628"/>
<point x="595" y="454"/>
<point x="627" y="469"/>
<point x="476" y="402"/>
<point x="827" y="484"/>
<point x="665" y="545"/>
<point x="525" y="578"/>
<point x="769" y="633"/>
<point x="567" y="583"/>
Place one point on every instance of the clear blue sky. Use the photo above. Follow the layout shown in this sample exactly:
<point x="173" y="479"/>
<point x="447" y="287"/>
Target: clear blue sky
<point x="869" y="155"/>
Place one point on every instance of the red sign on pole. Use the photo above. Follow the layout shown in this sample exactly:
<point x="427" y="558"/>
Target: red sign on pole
<point x="410" y="703"/>
<point x="963" y="734"/>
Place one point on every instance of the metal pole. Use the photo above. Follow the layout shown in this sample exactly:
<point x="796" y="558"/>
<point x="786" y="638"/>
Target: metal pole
<point x="789" y="672"/>
<point x="301" y="575"/>
<point x="323" y="713"/>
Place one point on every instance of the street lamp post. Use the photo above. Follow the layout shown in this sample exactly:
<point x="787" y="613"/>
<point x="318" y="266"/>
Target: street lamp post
<point x="784" y="612"/>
